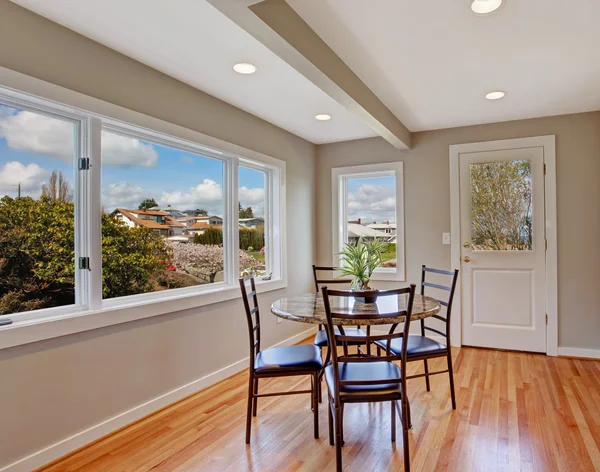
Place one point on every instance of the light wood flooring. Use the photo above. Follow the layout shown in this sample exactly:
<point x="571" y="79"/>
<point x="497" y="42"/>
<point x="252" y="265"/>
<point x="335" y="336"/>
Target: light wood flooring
<point x="515" y="411"/>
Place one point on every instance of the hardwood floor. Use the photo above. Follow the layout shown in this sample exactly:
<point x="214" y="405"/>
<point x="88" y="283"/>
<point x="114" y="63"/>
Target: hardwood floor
<point x="515" y="411"/>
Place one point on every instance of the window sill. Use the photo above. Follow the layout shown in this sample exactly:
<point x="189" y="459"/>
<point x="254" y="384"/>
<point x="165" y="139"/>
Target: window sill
<point x="33" y="330"/>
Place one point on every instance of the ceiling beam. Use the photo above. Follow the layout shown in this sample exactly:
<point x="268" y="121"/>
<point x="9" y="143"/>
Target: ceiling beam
<point x="276" y="25"/>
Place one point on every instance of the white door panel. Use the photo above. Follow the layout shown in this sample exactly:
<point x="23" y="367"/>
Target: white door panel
<point x="503" y="249"/>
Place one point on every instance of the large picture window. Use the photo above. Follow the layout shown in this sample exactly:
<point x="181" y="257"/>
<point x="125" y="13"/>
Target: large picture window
<point x="100" y="214"/>
<point x="368" y="205"/>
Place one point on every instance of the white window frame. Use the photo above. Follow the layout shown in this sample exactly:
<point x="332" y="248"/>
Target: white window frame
<point x="91" y="311"/>
<point x="339" y="192"/>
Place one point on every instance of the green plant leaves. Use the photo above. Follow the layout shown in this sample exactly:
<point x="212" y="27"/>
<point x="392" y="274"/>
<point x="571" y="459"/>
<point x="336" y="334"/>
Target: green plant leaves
<point x="360" y="261"/>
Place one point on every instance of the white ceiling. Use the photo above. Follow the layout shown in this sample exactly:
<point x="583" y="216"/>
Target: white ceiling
<point x="193" y="42"/>
<point x="432" y="61"/>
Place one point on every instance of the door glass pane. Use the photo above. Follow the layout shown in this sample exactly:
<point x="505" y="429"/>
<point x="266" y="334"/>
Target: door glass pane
<point x="37" y="210"/>
<point x="371" y="210"/>
<point x="501" y="206"/>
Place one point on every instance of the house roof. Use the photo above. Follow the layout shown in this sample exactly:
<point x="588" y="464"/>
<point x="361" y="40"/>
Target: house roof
<point x="357" y="231"/>
<point x="241" y="220"/>
<point x="202" y="218"/>
<point x="152" y="224"/>
<point x="382" y="225"/>
<point x="203" y="225"/>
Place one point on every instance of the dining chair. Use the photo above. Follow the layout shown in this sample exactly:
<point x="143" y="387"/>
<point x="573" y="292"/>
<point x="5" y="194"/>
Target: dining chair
<point x="321" y="336"/>
<point x="423" y="348"/>
<point x="366" y="379"/>
<point x="303" y="359"/>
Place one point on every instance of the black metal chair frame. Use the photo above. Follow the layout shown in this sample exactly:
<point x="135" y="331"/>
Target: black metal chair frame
<point x="447" y="353"/>
<point x="318" y="284"/>
<point x="254" y="376"/>
<point x="336" y="400"/>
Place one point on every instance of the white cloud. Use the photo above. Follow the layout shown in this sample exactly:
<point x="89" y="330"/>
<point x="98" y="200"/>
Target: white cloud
<point x="30" y="177"/>
<point x="123" y="195"/>
<point x="186" y="160"/>
<point x="372" y="203"/>
<point x="253" y="197"/>
<point x="123" y="151"/>
<point x="207" y="195"/>
<point x="52" y="137"/>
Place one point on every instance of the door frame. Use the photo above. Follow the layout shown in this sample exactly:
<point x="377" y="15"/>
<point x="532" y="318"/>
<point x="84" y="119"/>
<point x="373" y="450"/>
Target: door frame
<point x="548" y="143"/>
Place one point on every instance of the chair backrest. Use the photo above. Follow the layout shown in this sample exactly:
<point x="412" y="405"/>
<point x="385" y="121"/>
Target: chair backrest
<point x="446" y="302"/>
<point x="342" y="339"/>
<point x="252" y="315"/>
<point x="322" y="281"/>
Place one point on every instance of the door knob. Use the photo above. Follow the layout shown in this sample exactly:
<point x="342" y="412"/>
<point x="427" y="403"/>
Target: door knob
<point x="467" y="259"/>
<point x="467" y="245"/>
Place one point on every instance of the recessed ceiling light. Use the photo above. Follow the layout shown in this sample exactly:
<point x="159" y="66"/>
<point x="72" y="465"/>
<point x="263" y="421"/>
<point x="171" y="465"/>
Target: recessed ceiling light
<point x="485" y="7"/>
<point x="323" y="117"/>
<point x="495" y="95"/>
<point x="245" y="68"/>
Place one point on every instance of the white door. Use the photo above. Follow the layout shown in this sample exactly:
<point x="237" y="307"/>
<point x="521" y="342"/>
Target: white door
<point x="503" y="249"/>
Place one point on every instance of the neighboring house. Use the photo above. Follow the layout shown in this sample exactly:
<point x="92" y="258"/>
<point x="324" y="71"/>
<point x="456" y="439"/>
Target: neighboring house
<point x="188" y="221"/>
<point x="200" y="227"/>
<point x="356" y="231"/>
<point x="196" y="212"/>
<point x="157" y="220"/>
<point x="173" y="213"/>
<point x="252" y="222"/>
<point x="387" y="227"/>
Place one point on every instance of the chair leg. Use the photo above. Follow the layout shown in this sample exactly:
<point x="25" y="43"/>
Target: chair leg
<point x="338" y="439"/>
<point x="393" y="421"/>
<point x="331" y="433"/>
<point x="378" y="351"/>
<point x="322" y="373"/>
<point x="315" y="402"/>
<point x="405" y="414"/>
<point x="342" y="423"/>
<point x="451" y="374"/>
<point x="249" y="409"/>
<point x="255" y="402"/>
<point x="426" y="375"/>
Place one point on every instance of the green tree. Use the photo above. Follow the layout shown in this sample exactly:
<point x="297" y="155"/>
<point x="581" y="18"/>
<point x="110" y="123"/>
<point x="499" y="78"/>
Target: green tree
<point x="132" y="258"/>
<point x="37" y="255"/>
<point x="245" y="212"/>
<point x="211" y="237"/>
<point x="147" y="204"/>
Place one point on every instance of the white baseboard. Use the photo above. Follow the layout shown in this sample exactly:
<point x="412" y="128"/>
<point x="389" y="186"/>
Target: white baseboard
<point x="578" y="352"/>
<point x="59" y="449"/>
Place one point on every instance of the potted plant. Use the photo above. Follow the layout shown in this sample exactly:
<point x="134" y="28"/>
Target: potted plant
<point x="359" y="261"/>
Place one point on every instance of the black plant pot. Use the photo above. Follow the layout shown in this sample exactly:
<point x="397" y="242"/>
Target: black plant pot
<point x="368" y="299"/>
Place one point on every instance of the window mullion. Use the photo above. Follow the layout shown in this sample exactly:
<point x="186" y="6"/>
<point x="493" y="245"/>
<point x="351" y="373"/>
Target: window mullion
<point x="93" y="228"/>
<point x="231" y="236"/>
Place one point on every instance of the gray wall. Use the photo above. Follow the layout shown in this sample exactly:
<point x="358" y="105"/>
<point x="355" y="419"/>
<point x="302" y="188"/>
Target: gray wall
<point x="53" y="389"/>
<point x="427" y="207"/>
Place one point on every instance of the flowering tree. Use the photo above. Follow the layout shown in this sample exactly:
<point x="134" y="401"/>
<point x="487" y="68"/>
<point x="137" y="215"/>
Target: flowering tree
<point x="206" y="261"/>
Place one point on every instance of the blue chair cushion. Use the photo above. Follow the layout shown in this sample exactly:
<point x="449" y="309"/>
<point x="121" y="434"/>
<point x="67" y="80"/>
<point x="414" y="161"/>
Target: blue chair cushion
<point x="289" y="358"/>
<point x="365" y="371"/>
<point x="417" y="346"/>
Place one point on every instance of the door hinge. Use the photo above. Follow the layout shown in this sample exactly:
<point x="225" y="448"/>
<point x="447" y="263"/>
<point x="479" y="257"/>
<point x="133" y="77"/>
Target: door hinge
<point x="546" y="243"/>
<point x="544" y="169"/>
<point x="84" y="163"/>
<point x="84" y="263"/>
<point x="546" y="319"/>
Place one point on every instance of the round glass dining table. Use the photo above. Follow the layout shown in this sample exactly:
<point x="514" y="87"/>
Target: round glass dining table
<point x="309" y="308"/>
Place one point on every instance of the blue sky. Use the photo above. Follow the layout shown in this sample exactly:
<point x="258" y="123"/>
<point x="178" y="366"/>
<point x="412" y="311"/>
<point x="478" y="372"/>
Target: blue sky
<point x="33" y="145"/>
<point x="372" y="199"/>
